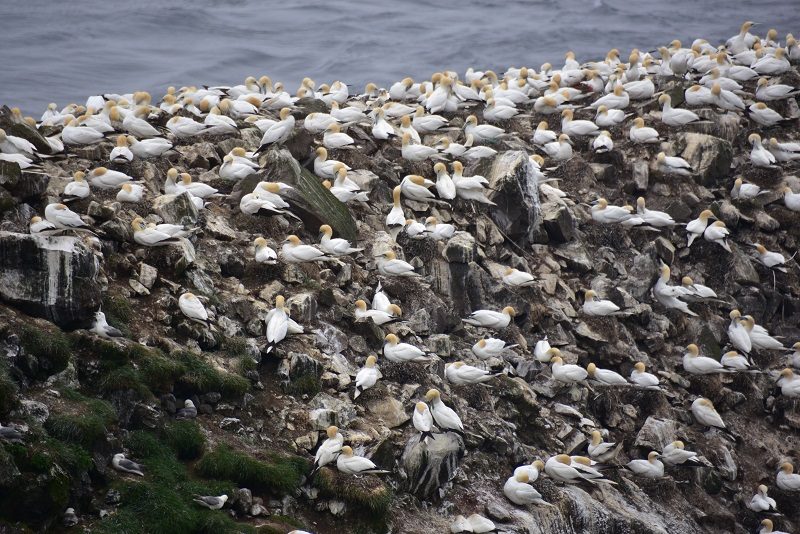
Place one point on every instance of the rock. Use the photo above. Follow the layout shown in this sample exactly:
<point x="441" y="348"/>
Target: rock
<point x="742" y="269"/>
<point x="326" y="411"/>
<point x="242" y="500"/>
<point x="655" y="433"/>
<point x="35" y="410"/>
<point x="460" y="248"/>
<point x="516" y="192"/>
<point x="709" y="156"/>
<point x="147" y="275"/>
<point x="176" y="209"/>
<point x="665" y="249"/>
<point x="175" y="258"/>
<point x="431" y="464"/>
<point x="54" y="277"/>
<point x="640" y="173"/>
<point x="558" y="223"/>
<point x="388" y="410"/>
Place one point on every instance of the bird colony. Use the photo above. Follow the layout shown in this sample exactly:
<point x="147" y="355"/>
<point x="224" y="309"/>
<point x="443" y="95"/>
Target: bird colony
<point x="561" y="299"/>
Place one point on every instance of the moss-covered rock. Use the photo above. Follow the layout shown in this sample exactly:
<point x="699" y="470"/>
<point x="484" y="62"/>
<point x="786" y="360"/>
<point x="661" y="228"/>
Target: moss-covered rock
<point x="280" y="474"/>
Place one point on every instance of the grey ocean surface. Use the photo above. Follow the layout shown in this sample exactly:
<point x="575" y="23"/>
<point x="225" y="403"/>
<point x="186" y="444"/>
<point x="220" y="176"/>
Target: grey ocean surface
<point x="62" y="52"/>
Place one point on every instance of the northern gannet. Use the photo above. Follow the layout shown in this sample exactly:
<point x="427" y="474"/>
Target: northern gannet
<point x="78" y="188"/>
<point x="515" y="278"/>
<point x="330" y="448"/>
<point x="767" y="527"/>
<point x="601" y="451"/>
<point x="38" y="225"/>
<point x="577" y="127"/>
<point x="192" y="308"/>
<point x="423" y="421"/>
<point x="130" y="193"/>
<point x="650" y="468"/>
<point x="607" y="118"/>
<point x="121" y="153"/>
<point x="786" y="479"/>
<point x="789" y="383"/>
<point x="148" y="148"/>
<point x="62" y="217"/>
<point x="490" y="348"/>
<point x="334" y="246"/>
<point x="460" y="373"/>
<point x="603" y="213"/>
<point x="560" y="150"/>
<point x="389" y="265"/>
<point x="446" y="418"/>
<point x="705" y="414"/>
<point x="700" y="365"/>
<point x="415" y="187"/>
<point x="675" y="116"/>
<point x="760" y="156"/>
<point x="767" y="92"/>
<point x="184" y="127"/>
<point x="673" y="165"/>
<point x="417" y="152"/>
<point x="335" y="138"/>
<point x="717" y="233"/>
<point x="103" y="178"/>
<point x="367" y="376"/>
<point x="603" y="142"/>
<point x="491" y="319"/>
<point x="397" y="352"/>
<point x="639" y="133"/>
<point x="280" y="131"/>
<point x="642" y="378"/>
<point x="761" y="502"/>
<point x="697" y="227"/>
<point x="445" y="187"/>
<point x="294" y="251"/>
<point x="566" y="373"/>
<point x="482" y="132"/>
<point x="438" y="231"/>
<point x="593" y="305"/>
<point x="395" y="220"/>
<point x="761" y="114"/>
<point x="517" y="490"/>
<point x="606" y="376"/>
<point x="379" y="317"/>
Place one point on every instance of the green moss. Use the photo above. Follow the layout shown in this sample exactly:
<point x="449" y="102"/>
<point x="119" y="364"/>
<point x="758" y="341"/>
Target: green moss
<point x="122" y="379"/>
<point x="235" y="346"/>
<point x="8" y="390"/>
<point x="119" y="313"/>
<point x="305" y="385"/>
<point x="279" y="475"/>
<point x="88" y="426"/>
<point x="159" y="372"/>
<point x="202" y="377"/>
<point x="186" y="439"/>
<point x="246" y="364"/>
<point x="368" y="495"/>
<point x="50" y="347"/>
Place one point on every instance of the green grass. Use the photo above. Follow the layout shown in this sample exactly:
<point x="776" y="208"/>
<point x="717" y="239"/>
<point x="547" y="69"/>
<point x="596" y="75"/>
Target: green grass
<point x="279" y="475"/>
<point x="367" y="497"/>
<point x="235" y="346"/>
<point x="8" y="390"/>
<point x="50" y="346"/>
<point x="202" y="377"/>
<point x="186" y="439"/>
<point x="305" y="385"/>
<point x="162" y="501"/>
<point x="88" y="427"/>
<point x="119" y="313"/>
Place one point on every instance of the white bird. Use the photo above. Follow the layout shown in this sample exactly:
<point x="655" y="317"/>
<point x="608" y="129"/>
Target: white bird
<point x="335" y="138"/>
<point x="78" y="188"/>
<point x="62" y="217"/>
<point x="642" y="378"/>
<point x="737" y="333"/>
<point x="675" y="116"/>
<point x="445" y="417"/>
<point x="786" y="479"/>
<point x="132" y="124"/>
<point x="103" y="178"/>
<point x="593" y="305"/>
<point x="788" y="151"/>
<point x="542" y="135"/>
<point x="761" y="114"/>
<point x="367" y="376"/>
<point x="379" y="317"/>
<point x="603" y="142"/>
<point x="316" y="122"/>
<point x="697" y="95"/>
<point x="759" y="336"/>
<point x="101" y="327"/>
<point x="445" y="187"/>
<point x="767" y="527"/>
<point x="766" y="92"/>
<point x="772" y="64"/>
<point x="211" y="502"/>
<point x="491" y="319"/>
<point x="603" y="213"/>
<point x="650" y="468"/>
<point x="192" y="308"/>
<point x="389" y="265"/>
<point x="470" y="187"/>
<point x="148" y="148"/>
<point x="423" y="421"/>
<point x="673" y="165"/>
<point x="121" y="153"/>
<point x="120" y="463"/>
<point x="761" y="502"/>
<point x="482" y="132"/>
<point x="416" y="152"/>
<point x="277" y="323"/>
<point x="515" y="278"/>
<point x="773" y="260"/>
<point x="490" y="348"/>
<point x="760" y="156"/>
<point x="189" y="410"/>
<point x="150" y="236"/>
<point x="542" y="352"/>
<point x="696" y="227"/>
<point x="717" y="233"/>
<point x="198" y="189"/>
<point x="700" y="365"/>
<point x="334" y="246"/>
<point x="460" y="373"/>
<point x="606" y="376"/>
<point x="293" y="251"/>
<point x="567" y="373"/>
<point x="233" y="169"/>
<point x="397" y="352"/>
<point x="705" y="414"/>
<point x="618" y="99"/>
<point x="72" y="134"/>
<point x="396" y="219"/>
<point x="639" y="133"/>
<point x="734" y="361"/>
<point x="533" y="469"/>
<point x="416" y="187"/>
<point x="438" y="231"/>
<point x="668" y="295"/>
<point x="577" y="127"/>
<point x="263" y="252"/>
<point x="381" y="129"/>
<point x="599" y="450"/>
<point x="789" y="383"/>
<point x="427" y="123"/>
<point x="725" y="99"/>
<point x="560" y="468"/>
<point x="607" y="118"/>
<point x="656" y="219"/>
<point x="560" y="150"/>
<point x="330" y="448"/>
<point x="184" y="127"/>
<point x="130" y="193"/>
<point x="280" y="131"/>
<point x="517" y="490"/>
<point x="38" y="225"/>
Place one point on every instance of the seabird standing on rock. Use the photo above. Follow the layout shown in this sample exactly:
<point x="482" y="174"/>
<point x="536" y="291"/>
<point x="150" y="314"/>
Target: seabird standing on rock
<point x="102" y="328"/>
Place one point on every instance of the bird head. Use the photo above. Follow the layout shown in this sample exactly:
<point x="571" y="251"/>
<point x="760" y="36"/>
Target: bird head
<point x="391" y="339"/>
<point x="432" y="394"/>
<point x="293" y="239"/>
<point x="692" y="349"/>
<point x="591" y="369"/>
<point x="371" y="361"/>
<point x="639" y="366"/>
<point x="421" y="407"/>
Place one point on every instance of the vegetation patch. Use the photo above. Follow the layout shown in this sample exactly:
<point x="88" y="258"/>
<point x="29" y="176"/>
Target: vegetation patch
<point x="202" y="377"/>
<point x="50" y="347"/>
<point x="84" y="422"/>
<point x="8" y="390"/>
<point x="368" y="496"/>
<point x="281" y="474"/>
<point x="186" y="439"/>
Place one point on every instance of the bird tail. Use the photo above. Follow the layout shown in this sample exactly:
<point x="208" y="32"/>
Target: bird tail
<point x="425" y="435"/>
<point x="357" y="393"/>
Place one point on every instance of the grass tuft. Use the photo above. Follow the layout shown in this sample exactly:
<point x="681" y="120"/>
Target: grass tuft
<point x="51" y="347"/>
<point x="202" y="377"/>
<point x="186" y="439"/>
<point x="282" y="474"/>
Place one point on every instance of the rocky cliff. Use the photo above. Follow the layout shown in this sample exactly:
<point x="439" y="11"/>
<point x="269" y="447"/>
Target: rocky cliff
<point x="262" y="412"/>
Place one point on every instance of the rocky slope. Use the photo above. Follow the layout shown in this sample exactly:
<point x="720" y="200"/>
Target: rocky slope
<point x="80" y="399"/>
